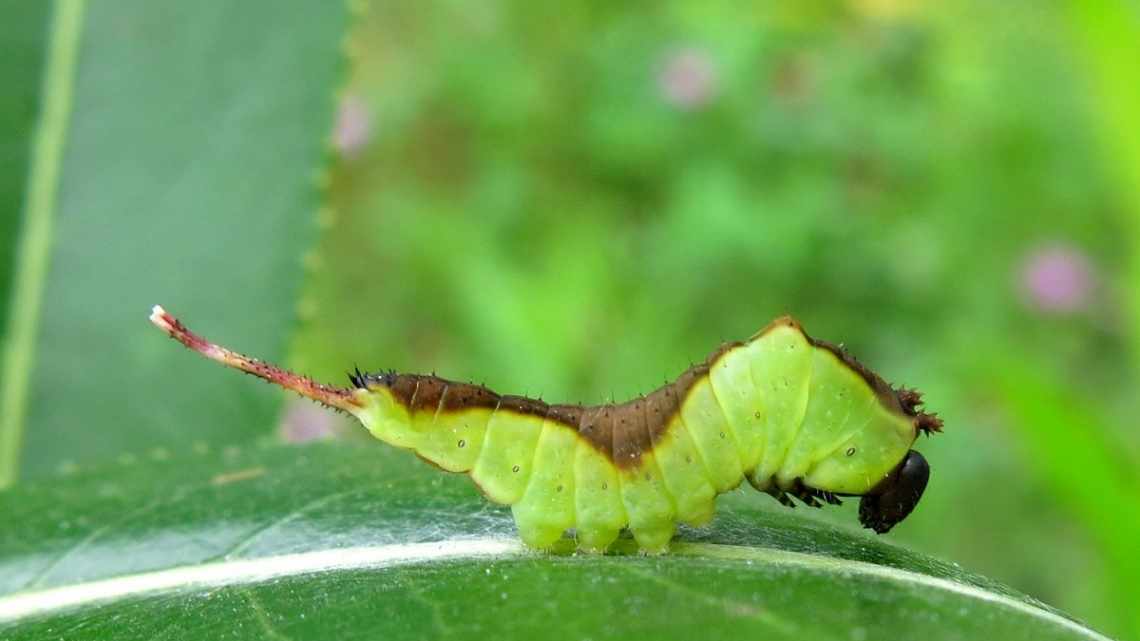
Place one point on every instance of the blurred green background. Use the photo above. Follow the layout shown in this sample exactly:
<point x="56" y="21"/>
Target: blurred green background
<point x="578" y="200"/>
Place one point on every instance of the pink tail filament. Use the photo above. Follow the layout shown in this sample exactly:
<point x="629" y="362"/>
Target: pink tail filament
<point x="335" y="397"/>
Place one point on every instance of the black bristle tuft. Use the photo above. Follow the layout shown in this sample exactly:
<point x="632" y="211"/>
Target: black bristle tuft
<point x="358" y="378"/>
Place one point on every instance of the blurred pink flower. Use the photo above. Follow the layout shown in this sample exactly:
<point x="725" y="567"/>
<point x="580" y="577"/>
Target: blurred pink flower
<point x="353" y="126"/>
<point x="688" y="79"/>
<point x="305" y="421"/>
<point x="1057" y="278"/>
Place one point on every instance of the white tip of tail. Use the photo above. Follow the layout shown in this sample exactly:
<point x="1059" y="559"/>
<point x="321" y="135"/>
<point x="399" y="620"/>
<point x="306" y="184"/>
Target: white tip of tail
<point x="158" y="317"/>
<point x="336" y="397"/>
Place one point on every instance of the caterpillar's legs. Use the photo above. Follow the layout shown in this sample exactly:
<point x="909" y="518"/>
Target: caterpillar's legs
<point x="538" y="535"/>
<point x="336" y="397"/>
<point x="781" y="496"/>
<point x="655" y="538"/>
<point x="596" y="539"/>
<point x="697" y="519"/>
<point x="543" y="537"/>
<point x="598" y="509"/>
<point x="546" y="508"/>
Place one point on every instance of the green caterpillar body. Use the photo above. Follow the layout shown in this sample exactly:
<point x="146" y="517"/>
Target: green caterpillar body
<point x="792" y="415"/>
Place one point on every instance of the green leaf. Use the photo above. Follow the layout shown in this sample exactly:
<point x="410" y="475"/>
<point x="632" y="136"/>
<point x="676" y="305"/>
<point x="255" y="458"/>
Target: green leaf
<point x="331" y="541"/>
<point x="175" y="163"/>
<point x="23" y="32"/>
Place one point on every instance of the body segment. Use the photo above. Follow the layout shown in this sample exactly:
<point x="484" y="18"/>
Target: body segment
<point x="793" y="415"/>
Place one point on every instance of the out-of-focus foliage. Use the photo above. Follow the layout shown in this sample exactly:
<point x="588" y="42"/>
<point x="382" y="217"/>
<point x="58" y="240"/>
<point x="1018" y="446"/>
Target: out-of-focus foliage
<point x="579" y="199"/>
<point x="1106" y="32"/>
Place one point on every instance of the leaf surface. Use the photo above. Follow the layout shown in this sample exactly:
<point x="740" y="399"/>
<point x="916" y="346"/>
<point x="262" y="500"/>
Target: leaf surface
<point x="335" y="541"/>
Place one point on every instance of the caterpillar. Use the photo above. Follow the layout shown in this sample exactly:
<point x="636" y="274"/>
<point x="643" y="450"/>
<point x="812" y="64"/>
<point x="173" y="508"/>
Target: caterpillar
<point x="795" y="416"/>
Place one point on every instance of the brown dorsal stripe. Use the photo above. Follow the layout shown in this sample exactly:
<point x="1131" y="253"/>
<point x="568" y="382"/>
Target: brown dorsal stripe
<point x="619" y="431"/>
<point x="597" y="428"/>
<point x="630" y="431"/>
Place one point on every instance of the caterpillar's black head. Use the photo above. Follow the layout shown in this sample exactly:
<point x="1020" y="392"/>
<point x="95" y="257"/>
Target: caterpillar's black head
<point x="894" y="497"/>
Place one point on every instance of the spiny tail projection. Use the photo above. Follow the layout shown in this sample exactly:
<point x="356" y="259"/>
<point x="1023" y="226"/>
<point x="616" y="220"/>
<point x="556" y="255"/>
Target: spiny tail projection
<point x="334" y="397"/>
<point x="795" y="416"/>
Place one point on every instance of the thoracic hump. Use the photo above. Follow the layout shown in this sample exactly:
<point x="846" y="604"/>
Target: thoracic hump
<point x="902" y="400"/>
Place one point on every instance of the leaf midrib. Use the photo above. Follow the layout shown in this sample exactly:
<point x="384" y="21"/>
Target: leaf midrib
<point x="15" y="607"/>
